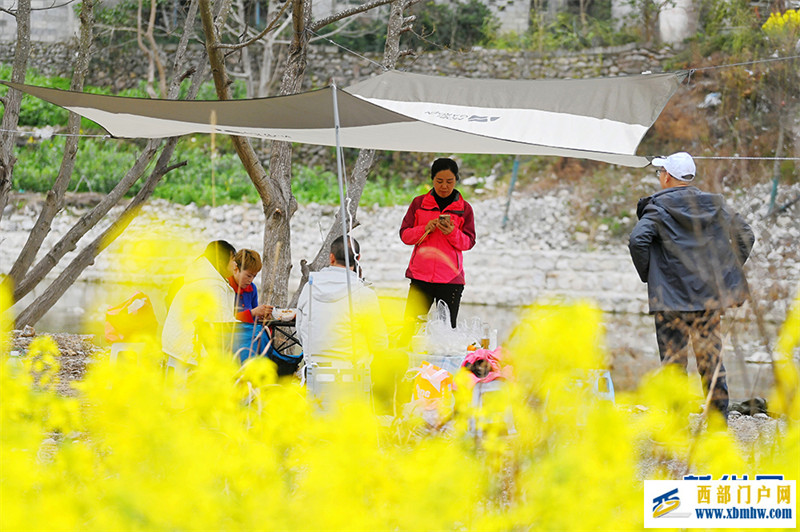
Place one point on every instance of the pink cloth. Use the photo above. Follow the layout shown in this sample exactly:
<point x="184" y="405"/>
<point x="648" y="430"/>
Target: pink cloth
<point x="494" y="358"/>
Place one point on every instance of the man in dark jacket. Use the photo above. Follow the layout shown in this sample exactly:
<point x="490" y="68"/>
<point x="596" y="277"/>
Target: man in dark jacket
<point x="690" y="249"/>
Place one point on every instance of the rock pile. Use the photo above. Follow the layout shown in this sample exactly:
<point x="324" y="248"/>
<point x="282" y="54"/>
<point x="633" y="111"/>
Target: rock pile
<point x="542" y="251"/>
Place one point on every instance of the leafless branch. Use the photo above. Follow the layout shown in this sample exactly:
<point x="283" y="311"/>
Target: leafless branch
<point x="266" y="30"/>
<point x="152" y="54"/>
<point x="55" y="196"/>
<point x="13" y="12"/>
<point x="316" y="26"/>
<point x="333" y="32"/>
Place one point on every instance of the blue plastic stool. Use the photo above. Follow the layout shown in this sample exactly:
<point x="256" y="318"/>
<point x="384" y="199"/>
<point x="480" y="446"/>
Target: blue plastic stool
<point x="601" y="384"/>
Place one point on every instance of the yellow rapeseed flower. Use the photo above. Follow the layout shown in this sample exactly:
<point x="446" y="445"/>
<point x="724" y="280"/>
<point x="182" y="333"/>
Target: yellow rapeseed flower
<point x="231" y="449"/>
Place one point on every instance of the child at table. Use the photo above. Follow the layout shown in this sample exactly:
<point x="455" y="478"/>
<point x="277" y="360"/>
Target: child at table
<point x="250" y="337"/>
<point x="246" y="265"/>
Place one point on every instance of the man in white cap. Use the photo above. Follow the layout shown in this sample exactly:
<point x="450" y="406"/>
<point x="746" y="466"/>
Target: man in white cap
<point x="690" y="250"/>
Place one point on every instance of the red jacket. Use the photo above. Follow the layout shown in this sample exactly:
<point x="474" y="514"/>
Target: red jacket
<point x="438" y="258"/>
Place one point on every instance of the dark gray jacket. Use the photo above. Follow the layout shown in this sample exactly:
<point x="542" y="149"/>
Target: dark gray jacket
<point x="690" y="250"/>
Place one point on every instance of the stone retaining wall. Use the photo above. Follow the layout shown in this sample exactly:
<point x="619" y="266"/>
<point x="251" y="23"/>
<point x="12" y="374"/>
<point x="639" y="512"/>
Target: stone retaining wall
<point x="116" y="68"/>
<point x="519" y="265"/>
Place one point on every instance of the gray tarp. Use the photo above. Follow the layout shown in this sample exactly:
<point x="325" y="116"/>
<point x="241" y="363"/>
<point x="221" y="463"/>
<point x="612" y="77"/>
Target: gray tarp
<point x="602" y="119"/>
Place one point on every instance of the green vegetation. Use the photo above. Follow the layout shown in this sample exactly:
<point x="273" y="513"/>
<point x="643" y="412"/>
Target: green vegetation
<point x="458" y="25"/>
<point x="565" y="32"/>
<point x="100" y="164"/>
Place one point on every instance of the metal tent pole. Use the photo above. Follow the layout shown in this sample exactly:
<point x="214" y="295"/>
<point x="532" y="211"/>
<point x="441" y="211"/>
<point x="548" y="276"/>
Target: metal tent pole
<point x="342" y="210"/>
<point x="511" y="189"/>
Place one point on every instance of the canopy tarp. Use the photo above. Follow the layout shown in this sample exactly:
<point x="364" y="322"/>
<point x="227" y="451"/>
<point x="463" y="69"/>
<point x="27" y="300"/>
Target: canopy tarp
<point x="602" y="119"/>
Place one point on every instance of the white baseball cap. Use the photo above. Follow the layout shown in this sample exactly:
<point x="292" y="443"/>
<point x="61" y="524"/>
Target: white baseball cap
<point x="679" y="165"/>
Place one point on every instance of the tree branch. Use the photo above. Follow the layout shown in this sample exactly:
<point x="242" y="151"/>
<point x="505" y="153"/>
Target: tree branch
<point x="85" y="258"/>
<point x="55" y="196"/>
<point x="69" y="241"/>
<point x="11" y="108"/>
<point x="315" y="26"/>
<point x="258" y="37"/>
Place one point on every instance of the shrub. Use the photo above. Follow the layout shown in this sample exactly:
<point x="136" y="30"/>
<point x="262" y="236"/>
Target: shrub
<point x="460" y="27"/>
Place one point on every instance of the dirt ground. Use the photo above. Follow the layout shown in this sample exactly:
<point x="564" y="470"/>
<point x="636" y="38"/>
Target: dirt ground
<point x="76" y="350"/>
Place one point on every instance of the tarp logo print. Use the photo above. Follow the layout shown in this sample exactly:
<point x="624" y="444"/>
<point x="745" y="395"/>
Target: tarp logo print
<point x="456" y="117"/>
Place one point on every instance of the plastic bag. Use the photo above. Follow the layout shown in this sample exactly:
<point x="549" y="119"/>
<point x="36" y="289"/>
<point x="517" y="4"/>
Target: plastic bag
<point x="432" y="383"/>
<point x="432" y="397"/>
<point x="134" y="318"/>
<point x="440" y="339"/>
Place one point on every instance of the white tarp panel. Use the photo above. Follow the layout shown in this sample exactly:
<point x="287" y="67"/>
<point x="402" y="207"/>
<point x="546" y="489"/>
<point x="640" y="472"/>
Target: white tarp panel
<point x="601" y="119"/>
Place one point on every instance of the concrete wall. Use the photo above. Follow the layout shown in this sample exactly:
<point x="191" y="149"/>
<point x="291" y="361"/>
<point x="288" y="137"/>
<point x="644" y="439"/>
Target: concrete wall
<point x="57" y="24"/>
<point x="513" y="15"/>
<point x="676" y="22"/>
<point x="60" y="24"/>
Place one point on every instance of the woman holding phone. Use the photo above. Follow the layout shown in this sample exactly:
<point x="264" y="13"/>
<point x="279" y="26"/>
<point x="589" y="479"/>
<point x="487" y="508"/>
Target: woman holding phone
<point x="440" y="225"/>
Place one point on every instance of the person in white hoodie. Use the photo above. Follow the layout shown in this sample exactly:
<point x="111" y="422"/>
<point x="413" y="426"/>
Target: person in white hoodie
<point x="206" y="296"/>
<point x="324" y="322"/>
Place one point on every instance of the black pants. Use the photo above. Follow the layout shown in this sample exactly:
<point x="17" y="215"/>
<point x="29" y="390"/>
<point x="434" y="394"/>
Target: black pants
<point x="421" y="296"/>
<point x="674" y="331"/>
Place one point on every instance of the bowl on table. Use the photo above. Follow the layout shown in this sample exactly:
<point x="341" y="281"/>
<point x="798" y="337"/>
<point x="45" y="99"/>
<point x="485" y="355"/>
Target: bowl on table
<point x="284" y="314"/>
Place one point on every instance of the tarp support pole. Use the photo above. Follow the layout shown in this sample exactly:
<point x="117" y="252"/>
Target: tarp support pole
<point x="342" y="210"/>
<point x="514" y="172"/>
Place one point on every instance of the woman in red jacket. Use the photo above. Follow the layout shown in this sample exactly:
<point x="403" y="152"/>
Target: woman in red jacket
<point x="440" y="225"/>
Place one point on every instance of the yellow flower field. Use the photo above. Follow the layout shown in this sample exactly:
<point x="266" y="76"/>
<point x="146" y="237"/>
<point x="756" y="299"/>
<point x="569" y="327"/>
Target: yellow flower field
<point x="234" y="450"/>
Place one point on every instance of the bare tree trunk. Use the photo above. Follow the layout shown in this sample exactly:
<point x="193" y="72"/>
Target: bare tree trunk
<point x="55" y="196"/>
<point x="244" y="61"/>
<point x="265" y="72"/>
<point x="276" y="203"/>
<point x="85" y="258"/>
<point x="268" y="75"/>
<point x="12" y="101"/>
<point x="279" y="211"/>
<point x="584" y="7"/>
<point x="358" y="177"/>
<point x="151" y="52"/>
<point x="69" y="241"/>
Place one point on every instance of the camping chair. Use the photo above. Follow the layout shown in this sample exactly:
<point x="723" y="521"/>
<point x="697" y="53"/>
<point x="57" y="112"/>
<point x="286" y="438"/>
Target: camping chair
<point x="329" y="378"/>
<point x="256" y="339"/>
<point x="482" y="395"/>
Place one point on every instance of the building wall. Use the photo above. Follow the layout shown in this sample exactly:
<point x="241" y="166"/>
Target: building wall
<point x="58" y="24"/>
<point x="513" y="15"/>
<point x="676" y="22"/>
<point x="61" y="24"/>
